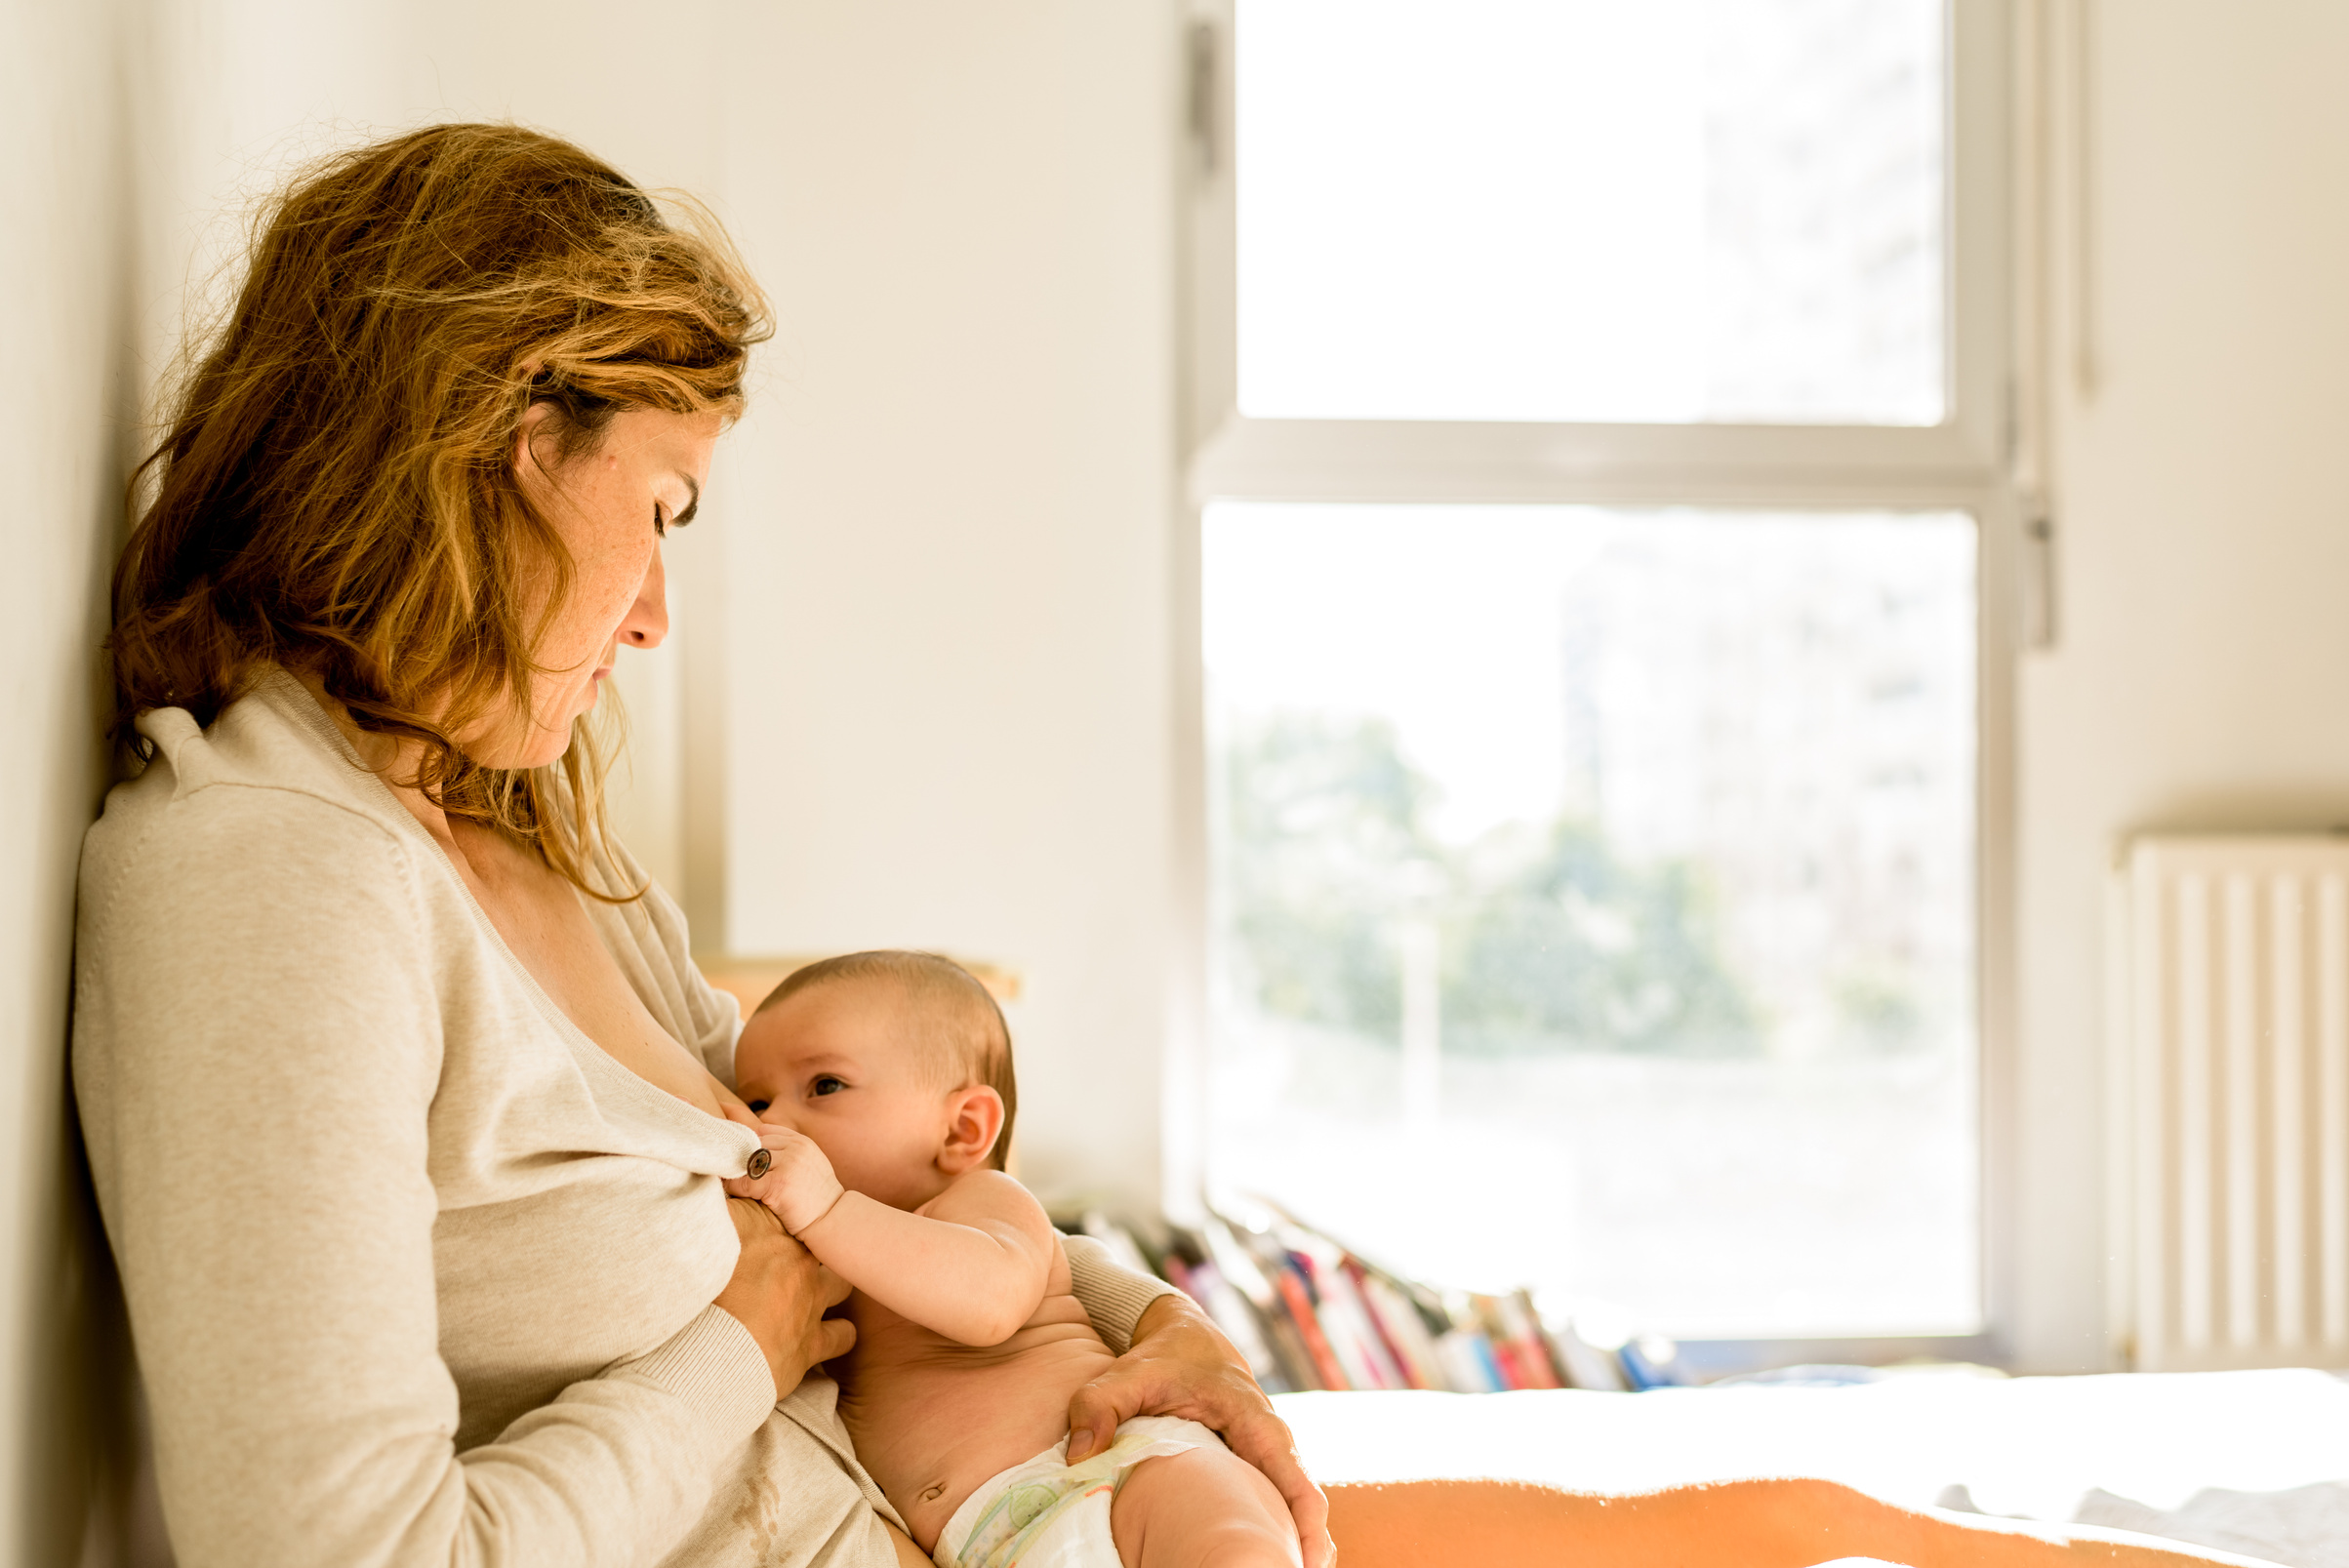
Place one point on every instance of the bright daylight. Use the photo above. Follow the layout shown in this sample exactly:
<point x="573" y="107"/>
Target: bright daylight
<point x="1593" y="889"/>
<point x="1175" y="783"/>
<point x="1594" y="902"/>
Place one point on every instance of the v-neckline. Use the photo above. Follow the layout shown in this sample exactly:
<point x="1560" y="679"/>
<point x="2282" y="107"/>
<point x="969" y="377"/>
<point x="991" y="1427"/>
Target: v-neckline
<point x="626" y="1081"/>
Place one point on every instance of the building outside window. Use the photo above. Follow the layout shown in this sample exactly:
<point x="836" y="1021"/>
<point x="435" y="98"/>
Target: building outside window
<point x="1602" y="647"/>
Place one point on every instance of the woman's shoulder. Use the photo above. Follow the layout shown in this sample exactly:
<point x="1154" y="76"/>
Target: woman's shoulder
<point x="270" y="776"/>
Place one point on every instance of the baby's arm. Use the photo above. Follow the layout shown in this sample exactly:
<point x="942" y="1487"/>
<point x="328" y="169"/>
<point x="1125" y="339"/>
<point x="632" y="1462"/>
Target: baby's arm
<point x="971" y="1264"/>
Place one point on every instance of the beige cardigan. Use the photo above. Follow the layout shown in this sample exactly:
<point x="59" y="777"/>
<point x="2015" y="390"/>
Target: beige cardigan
<point x="417" y="1272"/>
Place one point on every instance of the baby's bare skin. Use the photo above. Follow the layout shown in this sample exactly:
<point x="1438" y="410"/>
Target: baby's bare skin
<point x="969" y="1341"/>
<point x="932" y="1419"/>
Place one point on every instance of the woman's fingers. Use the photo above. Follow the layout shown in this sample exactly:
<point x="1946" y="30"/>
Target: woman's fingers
<point x="833" y="1338"/>
<point x="1182" y="1365"/>
<point x="836" y="1289"/>
<point x="1117" y="1396"/>
<point x="1264" y="1441"/>
<point x="779" y="1291"/>
<point x="752" y="1217"/>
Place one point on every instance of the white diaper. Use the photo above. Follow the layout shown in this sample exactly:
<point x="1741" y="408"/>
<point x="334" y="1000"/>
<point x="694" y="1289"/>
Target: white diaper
<point x="1049" y="1513"/>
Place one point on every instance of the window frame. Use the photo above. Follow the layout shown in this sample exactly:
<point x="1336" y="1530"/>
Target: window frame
<point x="1965" y="463"/>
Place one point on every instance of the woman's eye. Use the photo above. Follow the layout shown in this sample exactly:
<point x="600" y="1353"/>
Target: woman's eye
<point x="757" y="1105"/>
<point x="660" y="524"/>
<point x="826" y="1085"/>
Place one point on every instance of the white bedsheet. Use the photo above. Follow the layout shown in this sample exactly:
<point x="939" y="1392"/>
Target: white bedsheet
<point x="2032" y="1447"/>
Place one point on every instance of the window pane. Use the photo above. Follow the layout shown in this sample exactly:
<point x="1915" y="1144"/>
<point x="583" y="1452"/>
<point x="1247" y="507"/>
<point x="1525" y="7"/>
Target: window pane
<point x="1668" y="211"/>
<point x="1594" y="902"/>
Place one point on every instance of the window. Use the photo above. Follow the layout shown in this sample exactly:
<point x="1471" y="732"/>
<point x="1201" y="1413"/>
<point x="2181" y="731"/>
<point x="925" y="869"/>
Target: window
<point x="1602" y="694"/>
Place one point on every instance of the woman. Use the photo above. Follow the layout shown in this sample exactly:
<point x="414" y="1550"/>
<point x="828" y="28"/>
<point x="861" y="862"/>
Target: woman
<point x="407" y="1108"/>
<point x="408" y="1111"/>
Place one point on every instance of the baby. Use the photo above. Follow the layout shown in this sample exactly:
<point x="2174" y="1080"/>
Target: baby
<point x="885" y="1082"/>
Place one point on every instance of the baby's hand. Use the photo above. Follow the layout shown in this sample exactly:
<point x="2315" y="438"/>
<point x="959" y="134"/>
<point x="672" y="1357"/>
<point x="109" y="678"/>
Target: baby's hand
<point x="798" y="1185"/>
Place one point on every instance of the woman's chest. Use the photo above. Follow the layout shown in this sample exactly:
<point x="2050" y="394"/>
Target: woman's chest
<point x="581" y="1214"/>
<point x="544" y="924"/>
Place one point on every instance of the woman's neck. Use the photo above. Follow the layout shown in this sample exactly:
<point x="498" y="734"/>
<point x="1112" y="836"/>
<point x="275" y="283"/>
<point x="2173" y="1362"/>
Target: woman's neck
<point x="388" y="759"/>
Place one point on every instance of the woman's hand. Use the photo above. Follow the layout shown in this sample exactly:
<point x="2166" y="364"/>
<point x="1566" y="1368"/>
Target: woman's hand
<point x="779" y="1293"/>
<point x="1182" y="1365"/>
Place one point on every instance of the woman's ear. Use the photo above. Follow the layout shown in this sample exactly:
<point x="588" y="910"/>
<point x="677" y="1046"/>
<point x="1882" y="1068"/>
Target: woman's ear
<point x="973" y="1120"/>
<point x="527" y="466"/>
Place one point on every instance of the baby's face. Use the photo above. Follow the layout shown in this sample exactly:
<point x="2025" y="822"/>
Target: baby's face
<point x="833" y="1063"/>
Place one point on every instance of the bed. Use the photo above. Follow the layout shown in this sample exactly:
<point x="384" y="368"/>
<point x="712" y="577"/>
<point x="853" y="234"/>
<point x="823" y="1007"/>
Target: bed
<point x="2252" y="1463"/>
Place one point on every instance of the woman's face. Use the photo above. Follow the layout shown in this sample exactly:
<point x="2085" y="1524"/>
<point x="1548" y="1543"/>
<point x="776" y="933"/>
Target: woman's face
<point x="610" y="506"/>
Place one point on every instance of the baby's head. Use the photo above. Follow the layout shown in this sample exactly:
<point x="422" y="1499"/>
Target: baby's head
<point x="897" y="1065"/>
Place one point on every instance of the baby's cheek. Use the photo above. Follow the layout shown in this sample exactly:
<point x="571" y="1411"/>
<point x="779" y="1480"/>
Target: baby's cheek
<point x="834" y="1148"/>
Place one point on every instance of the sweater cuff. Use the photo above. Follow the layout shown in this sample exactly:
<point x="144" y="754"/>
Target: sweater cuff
<point x="1114" y="1295"/>
<point x="717" y="1371"/>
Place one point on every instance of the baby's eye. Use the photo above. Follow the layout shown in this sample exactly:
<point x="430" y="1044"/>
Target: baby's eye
<point x="757" y="1105"/>
<point x="826" y="1085"/>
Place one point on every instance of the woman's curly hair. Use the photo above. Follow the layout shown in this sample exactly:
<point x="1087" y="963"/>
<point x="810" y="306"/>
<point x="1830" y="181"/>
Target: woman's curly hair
<point x="336" y="491"/>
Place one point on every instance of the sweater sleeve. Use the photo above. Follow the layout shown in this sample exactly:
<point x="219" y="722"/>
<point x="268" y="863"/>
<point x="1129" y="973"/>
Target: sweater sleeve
<point x="257" y="1049"/>
<point x="1114" y="1295"/>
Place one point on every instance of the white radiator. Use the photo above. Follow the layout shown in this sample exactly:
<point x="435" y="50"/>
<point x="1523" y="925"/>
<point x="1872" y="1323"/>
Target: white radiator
<point x="2229" y="1102"/>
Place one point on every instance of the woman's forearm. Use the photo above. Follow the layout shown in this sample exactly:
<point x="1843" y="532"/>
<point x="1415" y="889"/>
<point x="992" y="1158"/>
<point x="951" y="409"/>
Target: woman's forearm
<point x="1114" y="1295"/>
<point x="974" y="1283"/>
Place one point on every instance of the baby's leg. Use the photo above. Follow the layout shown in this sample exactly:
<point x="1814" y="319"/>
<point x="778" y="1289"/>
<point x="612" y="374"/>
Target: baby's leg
<point x="1206" y="1507"/>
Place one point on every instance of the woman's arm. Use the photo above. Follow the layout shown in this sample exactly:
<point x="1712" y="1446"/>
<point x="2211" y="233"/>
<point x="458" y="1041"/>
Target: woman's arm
<point x="1180" y="1364"/>
<point x="258" y="1055"/>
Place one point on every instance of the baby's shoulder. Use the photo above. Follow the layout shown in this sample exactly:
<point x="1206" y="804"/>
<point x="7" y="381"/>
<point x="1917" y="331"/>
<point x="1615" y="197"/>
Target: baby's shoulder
<point x="986" y="1194"/>
<point x="988" y="1197"/>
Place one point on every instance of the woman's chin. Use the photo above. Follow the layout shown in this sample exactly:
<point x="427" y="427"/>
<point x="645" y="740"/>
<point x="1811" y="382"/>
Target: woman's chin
<point x="544" y="746"/>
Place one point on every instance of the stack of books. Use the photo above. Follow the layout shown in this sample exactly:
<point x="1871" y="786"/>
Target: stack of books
<point x="1308" y="1313"/>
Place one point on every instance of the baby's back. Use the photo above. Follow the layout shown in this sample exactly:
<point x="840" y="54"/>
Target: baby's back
<point x="932" y="1419"/>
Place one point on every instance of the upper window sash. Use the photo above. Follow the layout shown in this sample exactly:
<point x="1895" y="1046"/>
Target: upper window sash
<point x="1958" y="462"/>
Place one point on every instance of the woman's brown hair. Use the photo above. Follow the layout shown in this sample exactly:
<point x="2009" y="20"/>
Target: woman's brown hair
<point x="336" y="489"/>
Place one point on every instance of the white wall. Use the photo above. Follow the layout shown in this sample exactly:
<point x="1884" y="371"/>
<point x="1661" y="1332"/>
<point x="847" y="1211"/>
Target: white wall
<point x="62" y="397"/>
<point x="2202" y="679"/>
<point x="950" y="553"/>
<point x="936" y="583"/>
<point x="937" y="559"/>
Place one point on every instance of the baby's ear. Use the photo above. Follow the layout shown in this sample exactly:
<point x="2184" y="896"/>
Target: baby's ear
<point x="973" y="1120"/>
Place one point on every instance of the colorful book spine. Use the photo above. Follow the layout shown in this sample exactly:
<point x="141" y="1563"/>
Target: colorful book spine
<point x="1468" y="1362"/>
<point x="1308" y="1314"/>
<point x="1517" y="1326"/>
<point x="1205" y="1283"/>
<point x="1399" y="1327"/>
<point x="1346" y="1324"/>
<point x="1240" y="1267"/>
<point x="1300" y="1303"/>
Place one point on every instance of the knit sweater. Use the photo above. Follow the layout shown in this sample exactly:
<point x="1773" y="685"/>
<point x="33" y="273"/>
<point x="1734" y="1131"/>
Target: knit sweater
<point x="417" y="1272"/>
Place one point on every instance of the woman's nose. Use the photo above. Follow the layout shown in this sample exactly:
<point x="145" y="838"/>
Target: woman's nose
<point x="647" y="622"/>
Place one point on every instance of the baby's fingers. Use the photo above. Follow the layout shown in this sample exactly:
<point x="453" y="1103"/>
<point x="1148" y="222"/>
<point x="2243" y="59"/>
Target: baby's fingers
<point x="765" y="1189"/>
